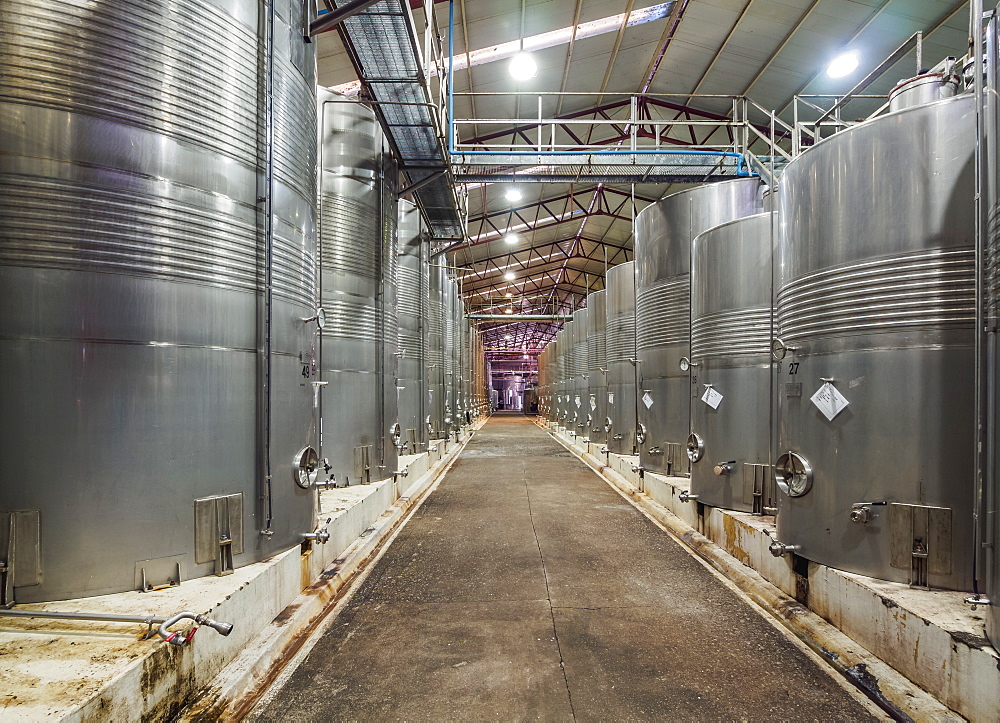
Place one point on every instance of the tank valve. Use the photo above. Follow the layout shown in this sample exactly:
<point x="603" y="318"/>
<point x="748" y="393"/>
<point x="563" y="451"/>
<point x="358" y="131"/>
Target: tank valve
<point x="182" y="639"/>
<point x="605" y="450"/>
<point x="617" y="436"/>
<point x="779" y="549"/>
<point x="320" y="534"/>
<point x="977" y="599"/>
<point x="654" y="450"/>
<point x="862" y="512"/>
<point x="723" y="468"/>
<point x="686" y="496"/>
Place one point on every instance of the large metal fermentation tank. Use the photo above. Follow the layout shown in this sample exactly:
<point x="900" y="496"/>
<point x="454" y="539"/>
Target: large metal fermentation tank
<point x="570" y="357"/>
<point x="543" y="382"/>
<point x="138" y="338"/>
<point x="581" y="352"/>
<point x="730" y="354"/>
<point x="413" y="294"/>
<point x="448" y="291"/>
<point x="357" y="255"/>
<point x="875" y="309"/>
<point x="664" y="232"/>
<point x="560" y="376"/>
<point x="620" y="286"/>
<point x="435" y="353"/>
<point x="988" y="522"/>
<point x="597" y="366"/>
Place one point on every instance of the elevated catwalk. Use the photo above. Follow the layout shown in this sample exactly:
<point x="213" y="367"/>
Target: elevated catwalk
<point x="526" y="587"/>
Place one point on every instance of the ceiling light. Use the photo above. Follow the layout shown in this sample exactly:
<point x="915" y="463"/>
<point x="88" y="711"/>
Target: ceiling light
<point x="508" y="311"/>
<point x="510" y="238"/>
<point x="509" y="337"/>
<point x="843" y="64"/>
<point x="522" y="67"/>
<point x="509" y="276"/>
<point x="513" y="194"/>
<point x="509" y="295"/>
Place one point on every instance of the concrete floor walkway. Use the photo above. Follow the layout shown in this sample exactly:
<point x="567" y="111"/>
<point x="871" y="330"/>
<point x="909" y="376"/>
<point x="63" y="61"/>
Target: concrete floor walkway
<point x="526" y="588"/>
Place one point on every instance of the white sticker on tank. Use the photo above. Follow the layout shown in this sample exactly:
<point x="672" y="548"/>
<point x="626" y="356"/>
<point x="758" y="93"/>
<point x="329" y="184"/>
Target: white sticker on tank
<point x="593" y="402"/>
<point x="829" y="400"/>
<point x="711" y="397"/>
<point x="647" y="400"/>
<point x="577" y="400"/>
<point x="611" y="397"/>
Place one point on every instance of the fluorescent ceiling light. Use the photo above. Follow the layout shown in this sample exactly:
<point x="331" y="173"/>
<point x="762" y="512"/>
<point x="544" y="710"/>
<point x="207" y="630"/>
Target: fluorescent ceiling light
<point x="509" y="276"/>
<point x="508" y="311"/>
<point x="843" y="64"/>
<point x="513" y="194"/>
<point x="551" y="39"/>
<point x="522" y="67"/>
<point x="511" y="238"/>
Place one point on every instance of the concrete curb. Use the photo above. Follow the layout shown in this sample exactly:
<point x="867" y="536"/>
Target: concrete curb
<point x="884" y="685"/>
<point x="234" y="691"/>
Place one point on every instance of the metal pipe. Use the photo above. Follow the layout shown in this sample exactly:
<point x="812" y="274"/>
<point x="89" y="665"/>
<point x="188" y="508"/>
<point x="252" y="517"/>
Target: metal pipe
<point x="150" y="620"/>
<point x="268" y="268"/>
<point x="328" y="21"/>
<point x="521" y="317"/>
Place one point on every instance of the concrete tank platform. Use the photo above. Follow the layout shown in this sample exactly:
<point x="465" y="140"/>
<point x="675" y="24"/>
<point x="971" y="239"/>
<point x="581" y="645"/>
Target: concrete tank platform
<point x="81" y="670"/>
<point x="525" y="587"/>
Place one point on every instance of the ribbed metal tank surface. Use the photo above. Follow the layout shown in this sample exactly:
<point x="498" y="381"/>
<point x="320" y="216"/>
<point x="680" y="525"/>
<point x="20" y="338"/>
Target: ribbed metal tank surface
<point x="875" y="307"/>
<point x="136" y="341"/>
<point x="730" y="351"/>
<point x="413" y="295"/>
<point x="622" y="375"/>
<point x="581" y="354"/>
<point x="664" y="232"/>
<point x="597" y="369"/>
<point x="436" y="396"/>
<point x="357" y="256"/>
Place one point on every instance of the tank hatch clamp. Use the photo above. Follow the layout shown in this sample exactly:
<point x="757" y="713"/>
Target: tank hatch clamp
<point x="20" y="561"/>
<point x="920" y="541"/>
<point x="218" y="531"/>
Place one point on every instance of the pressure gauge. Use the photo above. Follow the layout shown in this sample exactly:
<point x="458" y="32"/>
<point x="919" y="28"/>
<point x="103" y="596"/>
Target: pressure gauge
<point x="778" y="349"/>
<point x="607" y="424"/>
<point x="695" y="447"/>
<point x="685" y="364"/>
<point x="395" y="432"/>
<point x="640" y="433"/>
<point x="793" y="474"/>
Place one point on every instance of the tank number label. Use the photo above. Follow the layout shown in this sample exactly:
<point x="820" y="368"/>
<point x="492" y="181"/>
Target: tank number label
<point x="793" y="367"/>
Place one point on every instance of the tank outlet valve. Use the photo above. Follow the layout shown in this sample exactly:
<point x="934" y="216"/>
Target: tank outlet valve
<point x="862" y="512"/>
<point x="780" y="549"/>
<point x="654" y="450"/>
<point x="181" y="638"/>
<point x="686" y="496"/>
<point x="724" y="468"/>
<point x="605" y="450"/>
<point x="320" y="534"/>
<point x="976" y="600"/>
<point x="618" y="436"/>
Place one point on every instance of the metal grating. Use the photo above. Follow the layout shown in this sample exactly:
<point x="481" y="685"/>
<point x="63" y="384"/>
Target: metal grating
<point x="383" y="47"/>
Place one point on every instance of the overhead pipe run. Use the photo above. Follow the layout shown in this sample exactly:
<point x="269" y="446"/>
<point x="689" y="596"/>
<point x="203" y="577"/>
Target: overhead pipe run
<point x="520" y="317"/>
